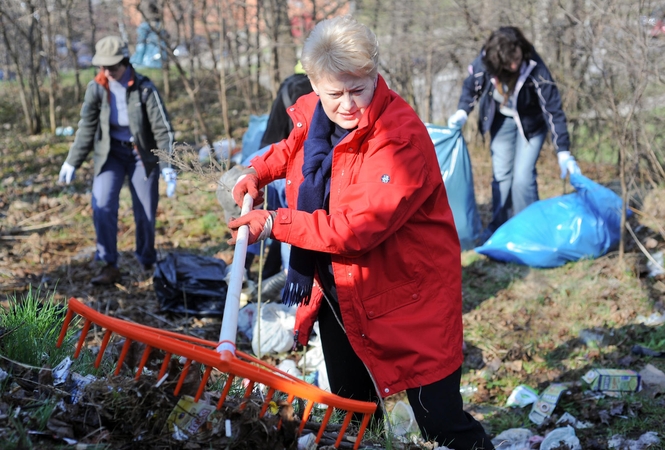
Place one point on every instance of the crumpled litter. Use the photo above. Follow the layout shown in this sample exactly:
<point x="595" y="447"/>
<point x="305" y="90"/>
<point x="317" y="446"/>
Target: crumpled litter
<point x="569" y="419"/>
<point x="515" y="439"/>
<point x="565" y="435"/>
<point x="646" y="440"/>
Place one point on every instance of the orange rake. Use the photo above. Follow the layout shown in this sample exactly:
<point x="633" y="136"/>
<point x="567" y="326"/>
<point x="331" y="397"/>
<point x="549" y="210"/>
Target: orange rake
<point x="222" y="356"/>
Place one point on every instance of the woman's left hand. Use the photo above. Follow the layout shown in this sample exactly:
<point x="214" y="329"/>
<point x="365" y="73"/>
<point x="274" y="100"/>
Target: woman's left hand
<point x="259" y="222"/>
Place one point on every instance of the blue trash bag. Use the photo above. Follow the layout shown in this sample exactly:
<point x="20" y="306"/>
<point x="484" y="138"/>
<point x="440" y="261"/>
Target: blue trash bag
<point x="148" y="53"/>
<point x="251" y="140"/>
<point x="455" y="164"/>
<point x="552" y="232"/>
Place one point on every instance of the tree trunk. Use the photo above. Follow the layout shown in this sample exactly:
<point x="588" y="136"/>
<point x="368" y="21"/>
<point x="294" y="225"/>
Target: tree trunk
<point x="70" y="50"/>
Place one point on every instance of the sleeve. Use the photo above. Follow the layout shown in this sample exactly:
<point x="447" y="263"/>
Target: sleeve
<point x="550" y="103"/>
<point x="272" y="164"/>
<point x="160" y="123"/>
<point x="389" y="186"/>
<point x="472" y="87"/>
<point x="87" y="127"/>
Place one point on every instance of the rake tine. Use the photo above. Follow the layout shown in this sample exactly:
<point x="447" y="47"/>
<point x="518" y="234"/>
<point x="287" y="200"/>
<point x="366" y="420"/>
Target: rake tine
<point x="324" y="423"/>
<point x="183" y="374"/>
<point x="289" y="400"/>
<point x="225" y="392"/>
<point x="144" y="360"/>
<point x="248" y="392"/>
<point x="264" y="408"/>
<point x="345" y="425"/>
<point x="123" y="355"/>
<point x="165" y="365"/>
<point x="202" y="386"/>
<point x="65" y="326"/>
<point x="102" y="348"/>
<point x="361" y="431"/>
<point x="84" y="333"/>
<point x="305" y="416"/>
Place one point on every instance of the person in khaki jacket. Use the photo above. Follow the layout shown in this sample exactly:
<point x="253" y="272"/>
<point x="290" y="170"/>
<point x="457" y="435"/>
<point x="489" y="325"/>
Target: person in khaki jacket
<point x="123" y="119"/>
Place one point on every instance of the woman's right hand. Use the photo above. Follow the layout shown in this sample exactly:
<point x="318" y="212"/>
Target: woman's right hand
<point x="248" y="183"/>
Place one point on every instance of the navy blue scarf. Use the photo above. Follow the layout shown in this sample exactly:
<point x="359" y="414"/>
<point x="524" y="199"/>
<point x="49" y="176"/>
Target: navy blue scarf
<point x="312" y="194"/>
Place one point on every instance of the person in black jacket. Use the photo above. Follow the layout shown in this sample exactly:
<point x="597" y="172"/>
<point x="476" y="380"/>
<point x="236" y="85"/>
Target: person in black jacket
<point x="518" y="104"/>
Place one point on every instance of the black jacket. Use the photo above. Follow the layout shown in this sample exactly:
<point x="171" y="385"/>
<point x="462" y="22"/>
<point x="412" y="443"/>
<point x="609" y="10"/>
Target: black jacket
<point x="538" y="101"/>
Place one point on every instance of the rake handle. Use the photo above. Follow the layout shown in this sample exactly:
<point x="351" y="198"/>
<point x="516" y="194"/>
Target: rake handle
<point x="227" y="335"/>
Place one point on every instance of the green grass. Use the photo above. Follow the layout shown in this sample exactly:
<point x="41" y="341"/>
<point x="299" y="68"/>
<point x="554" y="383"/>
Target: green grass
<point x="32" y="325"/>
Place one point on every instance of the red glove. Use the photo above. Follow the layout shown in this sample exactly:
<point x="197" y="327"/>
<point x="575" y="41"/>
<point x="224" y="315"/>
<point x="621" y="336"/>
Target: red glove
<point x="260" y="225"/>
<point x="248" y="183"/>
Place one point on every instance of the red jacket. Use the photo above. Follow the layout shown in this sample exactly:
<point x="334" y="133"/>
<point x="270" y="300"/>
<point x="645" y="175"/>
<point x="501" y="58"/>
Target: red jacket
<point x="390" y="231"/>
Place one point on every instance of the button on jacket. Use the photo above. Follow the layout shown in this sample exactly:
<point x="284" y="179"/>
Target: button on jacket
<point x="390" y="232"/>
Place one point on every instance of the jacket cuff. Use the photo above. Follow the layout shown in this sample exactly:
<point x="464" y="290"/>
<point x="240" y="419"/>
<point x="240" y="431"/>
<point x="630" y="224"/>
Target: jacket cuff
<point x="282" y="224"/>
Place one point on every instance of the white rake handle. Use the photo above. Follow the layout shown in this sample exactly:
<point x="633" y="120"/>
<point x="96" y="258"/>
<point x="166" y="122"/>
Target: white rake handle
<point x="227" y="335"/>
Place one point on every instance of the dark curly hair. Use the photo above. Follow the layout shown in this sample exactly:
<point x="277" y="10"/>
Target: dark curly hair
<point x="500" y="48"/>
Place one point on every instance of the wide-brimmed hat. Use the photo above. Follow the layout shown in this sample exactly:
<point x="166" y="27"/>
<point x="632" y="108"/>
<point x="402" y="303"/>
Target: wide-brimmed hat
<point x="109" y="51"/>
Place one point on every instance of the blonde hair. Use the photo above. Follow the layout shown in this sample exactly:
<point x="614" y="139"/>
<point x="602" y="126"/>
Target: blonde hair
<point x="340" y="46"/>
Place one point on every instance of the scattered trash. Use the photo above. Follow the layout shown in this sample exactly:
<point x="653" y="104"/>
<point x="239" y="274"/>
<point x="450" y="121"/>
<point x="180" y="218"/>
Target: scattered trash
<point x="571" y="420"/>
<point x="653" y="378"/>
<point x="546" y="403"/>
<point x="307" y="442"/>
<point x="402" y="419"/>
<point x="79" y="382"/>
<point x="656" y="269"/>
<point x="513" y="439"/>
<point x="644" y="351"/>
<point x="468" y="390"/>
<point x="647" y="440"/>
<point x="289" y="366"/>
<point x="561" y="437"/>
<point x="592" y="337"/>
<point x="613" y="380"/>
<point x="653" y="320"/>
<point x="522" y="395"/>
<point x="189" y="418"/>
<point x="61" y="371"/>
<point x="3" y="375"/>
<point x="64" y="131"/>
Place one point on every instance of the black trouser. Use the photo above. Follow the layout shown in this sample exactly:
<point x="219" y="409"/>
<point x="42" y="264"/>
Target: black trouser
<point x="438" y="407"/>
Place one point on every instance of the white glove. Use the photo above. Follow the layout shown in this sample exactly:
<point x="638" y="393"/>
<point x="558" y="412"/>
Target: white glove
<point x="66" y="173"/>
<point x="458" y="119"/>
<point x="567" y="164"/>
<point x="170" y="176"/>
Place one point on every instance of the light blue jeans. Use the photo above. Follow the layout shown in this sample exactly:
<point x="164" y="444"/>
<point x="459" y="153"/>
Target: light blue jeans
<point x="123" y="163"/>
<point x="514" y="159"/>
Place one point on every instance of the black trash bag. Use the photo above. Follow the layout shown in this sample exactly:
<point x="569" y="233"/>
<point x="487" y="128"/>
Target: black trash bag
<point x="191" y="284"/>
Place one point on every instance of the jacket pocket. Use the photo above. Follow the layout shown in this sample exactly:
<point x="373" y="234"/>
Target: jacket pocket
<point x="388" y="301"/>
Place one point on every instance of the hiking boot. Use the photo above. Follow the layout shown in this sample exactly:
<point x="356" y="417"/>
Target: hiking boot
<point x="108" y="275"/>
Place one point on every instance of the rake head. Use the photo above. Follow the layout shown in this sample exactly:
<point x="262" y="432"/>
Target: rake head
<point x="236" y="366"/>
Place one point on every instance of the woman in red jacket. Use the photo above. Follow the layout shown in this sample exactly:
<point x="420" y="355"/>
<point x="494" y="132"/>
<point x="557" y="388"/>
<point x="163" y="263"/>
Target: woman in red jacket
<point x="375" y="256"/>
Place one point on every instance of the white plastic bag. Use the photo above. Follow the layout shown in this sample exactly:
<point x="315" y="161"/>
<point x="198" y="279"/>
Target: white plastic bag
<point x="276" y="329"/>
